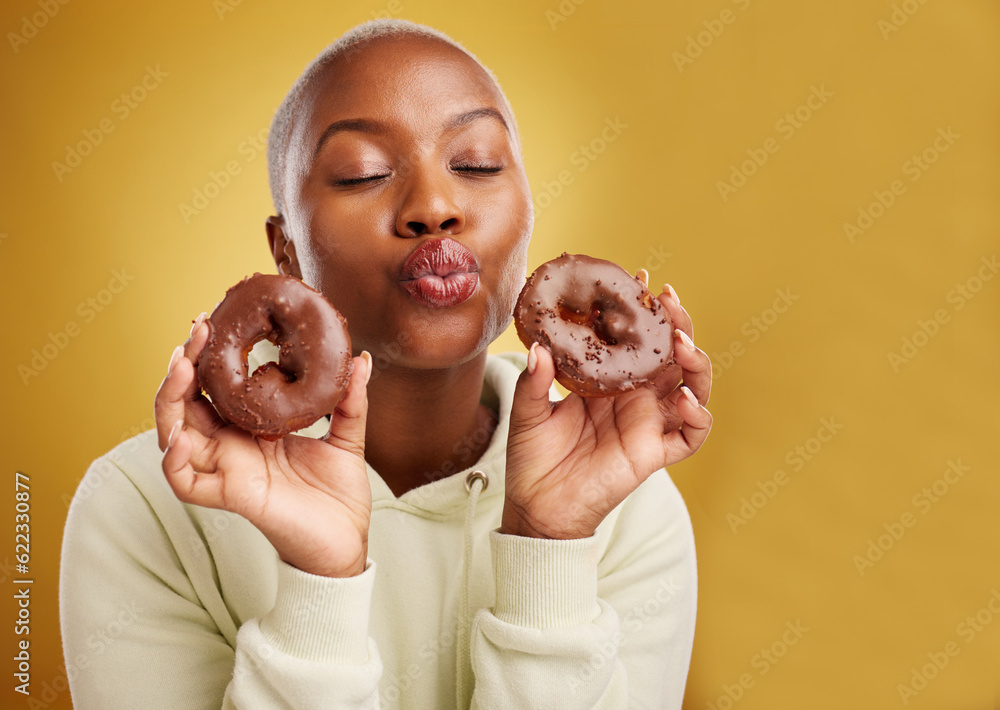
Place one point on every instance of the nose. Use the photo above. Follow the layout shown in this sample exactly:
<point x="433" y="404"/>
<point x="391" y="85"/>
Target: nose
<point x="429" y="206"/>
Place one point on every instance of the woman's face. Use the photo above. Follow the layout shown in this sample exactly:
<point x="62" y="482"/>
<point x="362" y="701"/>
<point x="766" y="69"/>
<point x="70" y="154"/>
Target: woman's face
<point x="407" y="204"/>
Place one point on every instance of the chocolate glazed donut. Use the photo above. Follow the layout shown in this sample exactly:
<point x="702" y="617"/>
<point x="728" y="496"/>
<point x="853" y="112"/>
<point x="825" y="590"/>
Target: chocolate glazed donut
<point x="607" y="333"/>
<point x="314" y="363"/>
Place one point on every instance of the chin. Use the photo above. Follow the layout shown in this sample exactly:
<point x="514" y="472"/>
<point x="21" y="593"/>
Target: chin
<point x="449" y="349"/>
<point x="433" y="346"/>
<point x="425" y="339"/>
<point x="431" y="358"/>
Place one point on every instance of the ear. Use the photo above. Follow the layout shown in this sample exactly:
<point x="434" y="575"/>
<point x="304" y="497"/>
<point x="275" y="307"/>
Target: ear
<point x="282" y="248"/>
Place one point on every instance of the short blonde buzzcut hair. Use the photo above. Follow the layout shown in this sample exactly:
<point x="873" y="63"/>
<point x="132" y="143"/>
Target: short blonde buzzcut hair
<point x="280" y="133"/>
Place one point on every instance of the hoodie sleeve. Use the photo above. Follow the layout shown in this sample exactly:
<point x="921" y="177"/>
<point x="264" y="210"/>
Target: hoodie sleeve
<point x="140" y="630"/>
<point x="578" y="624"/>
<point x="312" y="649"/>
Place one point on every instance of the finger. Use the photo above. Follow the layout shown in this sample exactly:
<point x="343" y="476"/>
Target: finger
<point x="668" y="380"/>
<point x="198" y="411"/>
<point x="188" y="485"/>
<point x="697" y="366"/>
<point x="170" y="406"/>
<point x="347" y="424"/>
<point x="198" y="339"/>
<point x="678" y="315"/>
<point x="531" y="404"/>
<point x="193" y="348"/>
<point x="681" y="443"/>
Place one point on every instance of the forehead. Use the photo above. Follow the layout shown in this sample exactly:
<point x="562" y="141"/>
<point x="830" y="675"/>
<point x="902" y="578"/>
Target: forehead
<point x="410" y="80"/>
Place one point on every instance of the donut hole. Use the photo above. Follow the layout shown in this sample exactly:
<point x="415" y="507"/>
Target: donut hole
<point x="263" y="355"/>
<point x="591" y="318"/>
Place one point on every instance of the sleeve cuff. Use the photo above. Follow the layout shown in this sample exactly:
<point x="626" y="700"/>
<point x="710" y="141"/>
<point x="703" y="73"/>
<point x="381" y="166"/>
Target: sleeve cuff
<point x="544" y="584"/>
<point x="321" y="618"/>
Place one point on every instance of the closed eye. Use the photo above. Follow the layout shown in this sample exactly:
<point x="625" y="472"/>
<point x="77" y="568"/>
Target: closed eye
<point x="477" y="169"/>
<point x="466" y="168"/>
<point x="347" y="182"/>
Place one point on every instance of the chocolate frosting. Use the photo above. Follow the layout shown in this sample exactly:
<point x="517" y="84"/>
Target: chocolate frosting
<point x="607" y="333"/>
<point x="314" y="363"/>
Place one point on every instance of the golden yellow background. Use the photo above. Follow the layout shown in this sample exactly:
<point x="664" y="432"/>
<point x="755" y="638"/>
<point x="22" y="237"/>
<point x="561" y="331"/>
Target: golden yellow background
<point x="632" y="114"/>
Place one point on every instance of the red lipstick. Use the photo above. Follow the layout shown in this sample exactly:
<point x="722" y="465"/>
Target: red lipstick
<point x="440" y="273"/>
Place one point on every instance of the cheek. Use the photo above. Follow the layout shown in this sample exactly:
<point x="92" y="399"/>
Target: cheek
<point x="310" y="262"/>
<point x="336" y="248"/>
<point x="511" y="276"/>
<point x="331" y="267"/>
<point x="514" y="268"/>
<point x="304" y="224"/>
<point x="331" y="235"/>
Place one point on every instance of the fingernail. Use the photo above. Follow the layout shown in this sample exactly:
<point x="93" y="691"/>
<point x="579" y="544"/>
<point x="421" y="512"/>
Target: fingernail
<point x="367" y="357"/>
<point x="690" y="395"/>
<point x="684" y="337"/>
<point x="198" y="321"/>
<point x="173" y="433"/>
<point x="643" y="277"/>
<point x="532" y="359"/>
<point x="670" y="290"/>
<point x="178" y="351"/>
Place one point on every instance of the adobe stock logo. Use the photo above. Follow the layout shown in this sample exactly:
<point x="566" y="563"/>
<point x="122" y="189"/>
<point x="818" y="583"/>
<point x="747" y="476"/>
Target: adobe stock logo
<point x="958" y="297"/>
<point x="88" y="310"/>
<point x="763" y="661"/>
<point x="914" y="168"/>
<point x="937" y="662"/>
<point x="895" y="530"/>
<point x="562" y="12"/>
<point x="786" y="126"/>
<point x="31" y="25"/>
<point x="901" y="14"/>
<point x="122" y="108"/>
<point x="795" y="459"/>
<point x="581" y="159"/>
<point x="218" y="180"/>
<point x="753" y="329"/>
<point x="699" y="42"/>
<point x="631" y="623"/>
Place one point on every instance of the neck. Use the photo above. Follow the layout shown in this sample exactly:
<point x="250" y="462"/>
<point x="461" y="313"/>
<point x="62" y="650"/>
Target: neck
<point x="426" y="424"/>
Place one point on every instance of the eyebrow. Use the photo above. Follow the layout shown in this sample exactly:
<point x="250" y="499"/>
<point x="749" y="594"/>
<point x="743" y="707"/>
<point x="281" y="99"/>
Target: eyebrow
<point x="364" y="125"/>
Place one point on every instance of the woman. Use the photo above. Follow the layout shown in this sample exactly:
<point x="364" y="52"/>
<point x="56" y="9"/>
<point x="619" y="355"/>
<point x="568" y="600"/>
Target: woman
<point x="448" y="537"/>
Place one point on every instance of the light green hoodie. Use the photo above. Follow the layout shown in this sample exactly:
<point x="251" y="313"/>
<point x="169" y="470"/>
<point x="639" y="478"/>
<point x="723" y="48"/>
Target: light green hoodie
<point x="169" y="605"/>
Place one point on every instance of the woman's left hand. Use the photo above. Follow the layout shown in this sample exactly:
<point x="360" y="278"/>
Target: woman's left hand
<point x="570" y="463"/>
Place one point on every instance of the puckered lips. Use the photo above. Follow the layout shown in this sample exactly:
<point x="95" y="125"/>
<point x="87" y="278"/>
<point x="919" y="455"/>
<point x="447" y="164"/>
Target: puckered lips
<point x="440" y="273"/>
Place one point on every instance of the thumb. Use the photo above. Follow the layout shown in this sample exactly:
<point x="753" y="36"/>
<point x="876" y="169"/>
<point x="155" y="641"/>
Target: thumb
<point x="531" y="404"/>
<point x="347" y="424"/>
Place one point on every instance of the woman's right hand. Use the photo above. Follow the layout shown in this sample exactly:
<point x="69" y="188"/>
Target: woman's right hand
<point x="309" y="497"/>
